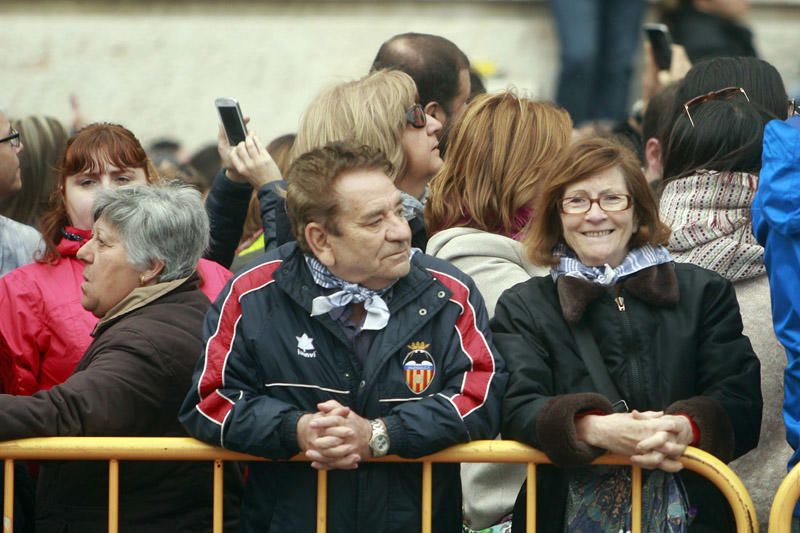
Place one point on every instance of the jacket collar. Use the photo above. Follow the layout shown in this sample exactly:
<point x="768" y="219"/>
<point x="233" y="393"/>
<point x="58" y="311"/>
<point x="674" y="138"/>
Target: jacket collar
<point x="657" y="285"/>
<point x="140" y="297"/>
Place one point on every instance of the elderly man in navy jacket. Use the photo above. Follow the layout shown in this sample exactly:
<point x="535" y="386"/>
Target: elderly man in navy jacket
<point x="346" y="345"/>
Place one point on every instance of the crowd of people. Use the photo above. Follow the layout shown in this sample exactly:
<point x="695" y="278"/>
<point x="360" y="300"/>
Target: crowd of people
<point x="419" y="265"/>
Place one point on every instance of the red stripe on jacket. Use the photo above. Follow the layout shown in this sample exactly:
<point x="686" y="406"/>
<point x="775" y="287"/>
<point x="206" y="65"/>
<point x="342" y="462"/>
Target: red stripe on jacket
<point x="475" y="386"/>
<point x="216" y="406"/>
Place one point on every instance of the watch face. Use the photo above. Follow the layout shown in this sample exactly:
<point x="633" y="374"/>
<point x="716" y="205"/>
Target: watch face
<point x="380" y="444"/>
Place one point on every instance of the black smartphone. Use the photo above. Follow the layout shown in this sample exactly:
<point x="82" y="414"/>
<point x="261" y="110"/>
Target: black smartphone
<point x="232" y="120"/>
<point x="661" y="43"/>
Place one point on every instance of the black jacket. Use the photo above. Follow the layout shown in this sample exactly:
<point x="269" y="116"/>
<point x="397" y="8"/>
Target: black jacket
<point x="705" y="35"/>
<point x="676" y="346"/>
<point x="268" y="362"/>
<point x="129" y="382"/>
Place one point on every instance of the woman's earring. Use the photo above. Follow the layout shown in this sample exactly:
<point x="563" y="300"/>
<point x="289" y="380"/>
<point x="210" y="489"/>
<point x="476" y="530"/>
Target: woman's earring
<point x="141" y="280"/>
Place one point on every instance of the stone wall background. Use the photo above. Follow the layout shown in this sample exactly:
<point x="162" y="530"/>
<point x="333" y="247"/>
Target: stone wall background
<point x="156" y="67"/>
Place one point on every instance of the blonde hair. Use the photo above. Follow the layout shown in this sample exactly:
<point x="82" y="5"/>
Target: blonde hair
<point x="498" y="150"/>
<point x="369" y="111"/>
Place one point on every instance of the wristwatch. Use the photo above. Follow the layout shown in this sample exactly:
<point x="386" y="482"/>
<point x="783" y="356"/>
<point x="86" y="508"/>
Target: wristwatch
<point x="379" y="440"/>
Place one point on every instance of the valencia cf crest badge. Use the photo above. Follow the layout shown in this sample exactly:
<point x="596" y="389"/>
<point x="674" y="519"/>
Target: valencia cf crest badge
<point x="419" y="367"/>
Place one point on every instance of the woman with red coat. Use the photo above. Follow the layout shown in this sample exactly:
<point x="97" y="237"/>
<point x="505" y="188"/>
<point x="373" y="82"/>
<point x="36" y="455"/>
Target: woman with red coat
<point x="44" y="331"/>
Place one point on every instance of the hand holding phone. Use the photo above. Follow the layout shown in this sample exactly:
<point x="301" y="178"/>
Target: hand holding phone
<point x="660" y="43"/>
<point x="232" y="120"/>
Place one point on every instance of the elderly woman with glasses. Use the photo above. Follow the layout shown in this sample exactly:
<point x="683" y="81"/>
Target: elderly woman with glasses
<point x="712" y="162"/>
<point x="133" y="376"/>
<point x="621" y="350"/>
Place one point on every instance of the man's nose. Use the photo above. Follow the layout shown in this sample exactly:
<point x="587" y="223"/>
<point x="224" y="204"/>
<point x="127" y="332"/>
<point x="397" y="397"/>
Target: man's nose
<point x="399" y="230"/>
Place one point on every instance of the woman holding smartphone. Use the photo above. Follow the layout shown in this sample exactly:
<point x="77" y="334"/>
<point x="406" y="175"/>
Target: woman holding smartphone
<point x="380" y="110"/>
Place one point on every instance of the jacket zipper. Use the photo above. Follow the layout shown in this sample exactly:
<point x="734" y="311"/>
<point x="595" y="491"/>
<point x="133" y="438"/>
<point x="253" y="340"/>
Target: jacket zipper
<point x="636" y="380"/>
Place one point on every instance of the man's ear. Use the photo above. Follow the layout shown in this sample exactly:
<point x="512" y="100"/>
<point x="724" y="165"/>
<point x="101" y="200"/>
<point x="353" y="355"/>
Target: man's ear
<point x="317" y="239"/>
<point x="149" y="276"/>
<point x="436" y="110"/>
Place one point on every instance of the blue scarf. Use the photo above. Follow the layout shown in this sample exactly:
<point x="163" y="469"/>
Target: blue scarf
<point x="638" y="259"/>
<point x="349" y="293"/>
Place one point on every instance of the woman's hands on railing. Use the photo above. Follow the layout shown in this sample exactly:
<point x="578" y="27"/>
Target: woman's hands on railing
<point x="650" y="439"/>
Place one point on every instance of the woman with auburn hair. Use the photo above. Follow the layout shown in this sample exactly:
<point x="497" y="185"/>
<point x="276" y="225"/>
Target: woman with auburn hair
<point x="621" y="350"/>
<point x="479" y="205"/>
<point x="44" y="331"/>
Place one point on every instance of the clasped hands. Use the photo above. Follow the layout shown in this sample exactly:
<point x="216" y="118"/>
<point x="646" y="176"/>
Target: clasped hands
<point x="650" y="439"/>
<point x="334" y="437"/>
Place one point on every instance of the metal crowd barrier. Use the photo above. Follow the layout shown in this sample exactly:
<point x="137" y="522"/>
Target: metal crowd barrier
<point x="115" y="449"/>
<point x="780" y="514"/>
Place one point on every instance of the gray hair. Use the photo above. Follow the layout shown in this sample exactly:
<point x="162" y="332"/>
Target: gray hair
<point x="162" y="222"/>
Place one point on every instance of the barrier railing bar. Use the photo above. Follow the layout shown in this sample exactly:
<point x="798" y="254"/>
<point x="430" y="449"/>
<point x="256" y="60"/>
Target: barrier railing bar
<point x="113" y="496"/>
<point x="636" y="499"/>
<point x="8" y="496"/>
<point x="322" y="501"/>
<point x="780" y="514"/>
<point x="530" y="500"/>
<point x="219" y="517"/>
<point x="187" y="449"/>
<point x="427" y="495"/>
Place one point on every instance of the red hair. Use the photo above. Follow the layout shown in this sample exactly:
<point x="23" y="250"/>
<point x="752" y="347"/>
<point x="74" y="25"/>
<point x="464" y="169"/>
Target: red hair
<point x="86" y="152"/>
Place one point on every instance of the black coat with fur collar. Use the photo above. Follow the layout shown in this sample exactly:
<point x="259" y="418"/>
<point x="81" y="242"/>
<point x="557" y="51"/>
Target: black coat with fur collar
<point x="677" y="346"/>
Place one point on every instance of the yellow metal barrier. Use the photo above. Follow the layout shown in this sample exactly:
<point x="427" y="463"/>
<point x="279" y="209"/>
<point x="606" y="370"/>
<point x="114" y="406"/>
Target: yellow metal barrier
<point x="780" y="514"/>
<point x="115" y="449"/>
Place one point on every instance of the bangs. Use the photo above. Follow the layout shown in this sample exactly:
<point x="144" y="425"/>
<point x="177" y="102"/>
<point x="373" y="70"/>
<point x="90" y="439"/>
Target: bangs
<point x="100" y="144"/>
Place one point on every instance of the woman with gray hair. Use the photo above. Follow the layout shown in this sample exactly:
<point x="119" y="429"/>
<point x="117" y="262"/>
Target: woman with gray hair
<point x="140" y="280"/>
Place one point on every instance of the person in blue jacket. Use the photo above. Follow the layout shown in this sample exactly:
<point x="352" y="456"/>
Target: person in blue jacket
<point x="346" y="345"/>
<point x="776" y="225"/>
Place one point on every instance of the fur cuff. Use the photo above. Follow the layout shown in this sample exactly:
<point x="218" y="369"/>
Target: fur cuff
<point x="716" y="430"/>
<point x="555" y="428"/>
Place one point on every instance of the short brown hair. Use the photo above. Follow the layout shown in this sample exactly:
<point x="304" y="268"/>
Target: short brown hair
<point x="310" y="196"/>
<point x="499" y="149"/>
<point x="584" y="159"/>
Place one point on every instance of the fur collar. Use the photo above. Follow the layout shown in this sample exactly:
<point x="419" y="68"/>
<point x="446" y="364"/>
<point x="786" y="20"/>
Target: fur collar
<point x="657" y="285"/>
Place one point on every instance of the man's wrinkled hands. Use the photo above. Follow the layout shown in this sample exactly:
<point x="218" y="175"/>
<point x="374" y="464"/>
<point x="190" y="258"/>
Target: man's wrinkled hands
<point x="334" y="437"/>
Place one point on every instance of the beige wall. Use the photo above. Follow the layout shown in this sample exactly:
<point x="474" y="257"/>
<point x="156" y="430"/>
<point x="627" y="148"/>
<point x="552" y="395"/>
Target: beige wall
<point x="157" y="67"/>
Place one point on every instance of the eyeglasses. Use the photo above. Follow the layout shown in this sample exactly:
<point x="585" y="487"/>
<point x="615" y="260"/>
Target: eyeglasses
<point x="723" y="94"/>
<point x="13" y="138"/>
<point x="610" y="202"/>
<point x="416" y="116"/>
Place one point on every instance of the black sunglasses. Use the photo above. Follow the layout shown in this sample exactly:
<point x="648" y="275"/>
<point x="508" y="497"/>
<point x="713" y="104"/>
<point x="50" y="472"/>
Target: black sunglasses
<point x="416" y="116"/>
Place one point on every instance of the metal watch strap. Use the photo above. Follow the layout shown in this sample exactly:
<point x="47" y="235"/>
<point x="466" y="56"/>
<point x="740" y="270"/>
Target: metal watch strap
<point x="379" y="439"/>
